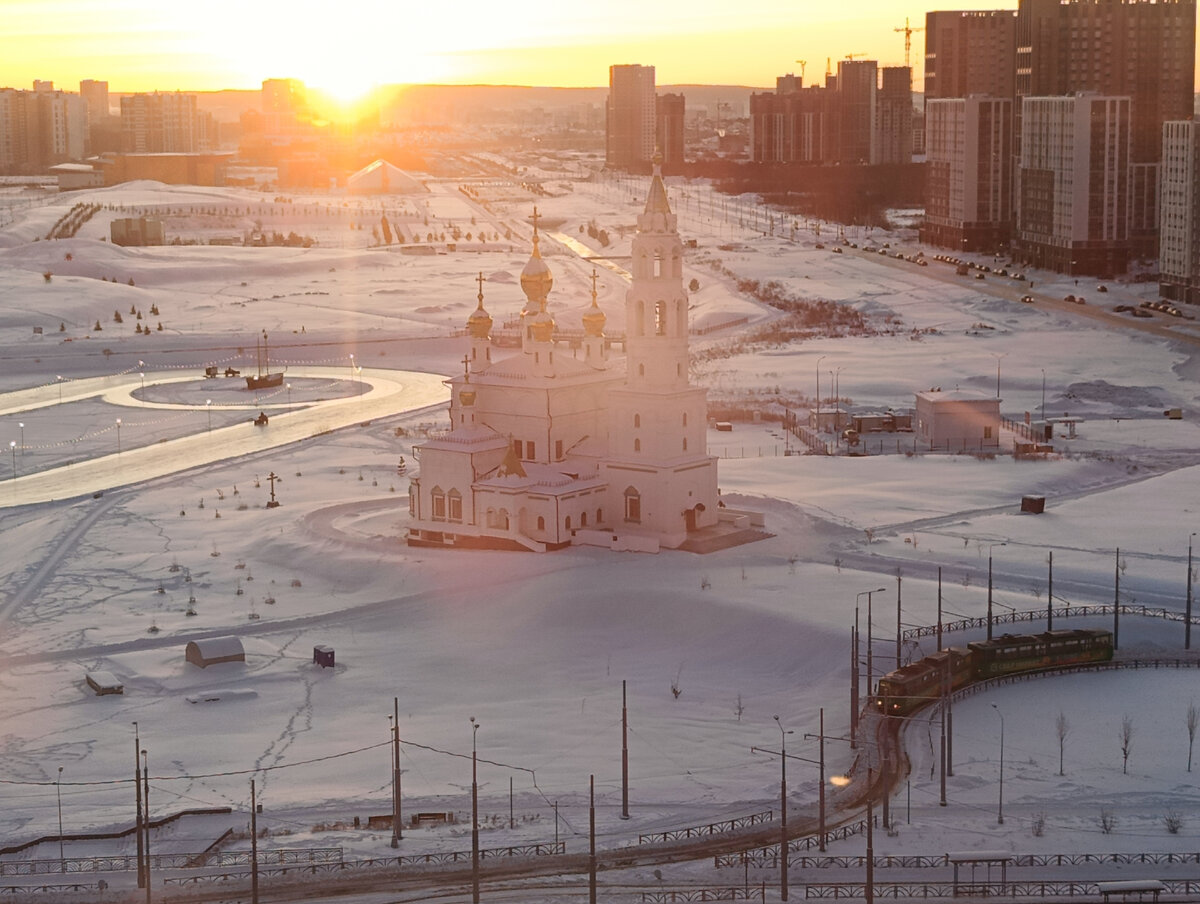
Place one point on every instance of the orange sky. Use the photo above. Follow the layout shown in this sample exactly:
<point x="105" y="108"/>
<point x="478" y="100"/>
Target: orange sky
<point x="139" y="45"/>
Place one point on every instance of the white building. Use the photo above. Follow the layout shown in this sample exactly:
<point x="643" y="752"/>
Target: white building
<point x="1073" y="183"/>
<point x="549" y="447"/>
<point x="958" y="420"/>
<point x="1179" y="210"/>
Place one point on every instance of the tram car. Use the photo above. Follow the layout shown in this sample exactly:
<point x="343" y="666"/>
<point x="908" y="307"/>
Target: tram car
<point x="907" y="689"/>
<point x="1027" y="652"/>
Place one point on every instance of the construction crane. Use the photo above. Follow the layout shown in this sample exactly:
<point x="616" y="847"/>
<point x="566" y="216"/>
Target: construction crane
<point x="908" y="33"/>
<point x="802" y="63"/>
<point x="851" y="56"/>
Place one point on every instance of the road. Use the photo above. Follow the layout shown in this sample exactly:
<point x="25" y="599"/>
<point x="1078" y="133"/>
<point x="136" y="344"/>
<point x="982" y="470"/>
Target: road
<point x="386" y="393"/>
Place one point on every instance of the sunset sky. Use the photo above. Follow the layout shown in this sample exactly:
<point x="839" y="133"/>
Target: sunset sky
<point x="346" y="48"/>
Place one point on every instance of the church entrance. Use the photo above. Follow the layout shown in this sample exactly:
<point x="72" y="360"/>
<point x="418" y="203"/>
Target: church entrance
<point x="691" y="515"/>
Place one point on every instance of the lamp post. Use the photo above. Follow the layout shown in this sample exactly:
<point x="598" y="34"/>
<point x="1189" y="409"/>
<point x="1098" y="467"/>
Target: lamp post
<point x="208" y="408"/>
<point x="783" y="836"/>
<point x="21" y="424"/>
<point x="118" y="436"/>
<point x="1043" y="398"/>
<point x="989" y="609"/>
<point x="137" y="786"/>
<point x="474" y="816"/>
<point x="12" y="447"/>
<point x="352" y="368"/>
<point x="870" y="659"/>
<point x="817" y="415"/>
<point x="142" y="377"/>
<point x="397" y="830"/>
<point x="289" y="389"/>
<point x="62" y="861"/>
<point x="58" y="378"/>
<point x="998" y="356"/>
<point x="834" y="375"/>
<point x="1000" y="805"/>
<point x="1187" y="620"/>
<point x="146" y="823"/>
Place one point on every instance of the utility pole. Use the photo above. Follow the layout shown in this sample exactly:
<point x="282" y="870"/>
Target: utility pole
<point x="397" y="827"/>
<point x="898" y="630"/>
<point x="137" y="784"/>
<point x="253" y="844"/>
<point x="1116" y="597"/>
<point x="939" y="621"/>
<point x="624" y="755"/>
<point x="821" y="803"/>
<point x="1050" y="595"/>
<point x="854" y="683"/>
<point x="1187" y="621"/>
<point x="783" y="834"/>
<point x="474" y="816"/>
<point x="146" y="821"/>
<point x="592" y="840"/>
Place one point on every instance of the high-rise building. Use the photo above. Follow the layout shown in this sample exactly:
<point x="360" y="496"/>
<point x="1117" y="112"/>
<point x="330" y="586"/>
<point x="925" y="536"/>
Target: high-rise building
<point x="794" y="125"/>
<point x="970" y="52"/>
<point x="969" y="172"/>
<point x="857" y="83"/>
<point x="40" y="128"/>
<point x="668" y="127"/>
<point x="159" y="123"/>
<point x="630" y="115"/>
<point x="14" y="137"/>
<point x="1143" y="50"/>
<point x="104" y="129"/>
<point x="1179" y="213"/>
<point x="894" y="115"/>
<point x="1073" y="183"/>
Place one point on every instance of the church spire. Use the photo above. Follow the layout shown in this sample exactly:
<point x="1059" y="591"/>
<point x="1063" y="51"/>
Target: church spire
<point x="479" y="328"/>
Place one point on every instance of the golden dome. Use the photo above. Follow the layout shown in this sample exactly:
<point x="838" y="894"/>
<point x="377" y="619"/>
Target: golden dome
<point x="479" y="324"/>
<point x="594" y="320"/>
<point x="542" y="326"/>
<point x="536" y="279"/>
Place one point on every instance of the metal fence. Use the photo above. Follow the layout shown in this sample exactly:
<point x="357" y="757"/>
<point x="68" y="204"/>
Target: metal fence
<point x="167" y="861"/>
<point x="17" y="891"/>
<point x="681" y="896"/>
<point x="769" y="856"/>
<point x="1063" y="889"/>
<point x="368" y="865"/>
<point x="1036" y="615"/>
<point x="712" y="828"/>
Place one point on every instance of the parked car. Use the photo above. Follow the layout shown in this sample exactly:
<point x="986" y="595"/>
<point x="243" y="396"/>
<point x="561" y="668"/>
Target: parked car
<point x="1141" y="312"/>
<point x="979" y="276"/>
<point x="1027" y="299"/>
<point x="1069" y="298"/>
<point x="1101" y="288"/>
<point x="837" y="250"/>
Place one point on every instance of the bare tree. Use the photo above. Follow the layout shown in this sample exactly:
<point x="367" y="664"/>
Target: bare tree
<point x="1063" y="728"/>
<point x="1193" y="719"/>
<point x="1126" y="742"/>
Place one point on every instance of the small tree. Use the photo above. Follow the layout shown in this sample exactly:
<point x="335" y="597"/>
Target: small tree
<point x="1193" y="718"/>
<point x="1126" y="742"/>
<point x="387" y="230"/>
<point x="1063" y="728"/>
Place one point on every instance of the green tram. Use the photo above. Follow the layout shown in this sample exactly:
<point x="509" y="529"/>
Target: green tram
<point x="907" y="689"/>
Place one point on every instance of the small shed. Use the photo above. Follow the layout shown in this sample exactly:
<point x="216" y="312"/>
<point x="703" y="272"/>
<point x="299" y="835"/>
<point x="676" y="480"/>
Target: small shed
<point x="1034" y="505"/>
<point x="213" y="650"/>
<point x="323" y="656"/>
<point x="103" y="683"/>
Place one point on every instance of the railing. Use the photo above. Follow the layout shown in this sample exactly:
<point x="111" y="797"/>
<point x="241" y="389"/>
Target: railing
<point x="769" y="856"/>
<point x="167" y="861"/>
<point x="712" y="828"/>
<point x="370" y="864"/>
<point x="1034" y="615"/>
<point x="16" y="891"/>
<point x="1062" y="889"/>
<point x="680" y="896"/>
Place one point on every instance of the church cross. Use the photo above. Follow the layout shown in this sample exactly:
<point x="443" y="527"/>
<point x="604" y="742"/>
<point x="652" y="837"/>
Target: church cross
<point x="466" y="362"/>
<point x="595" y="276"/>
<point x="479" y="280"/>
<point x="535" y="219"/>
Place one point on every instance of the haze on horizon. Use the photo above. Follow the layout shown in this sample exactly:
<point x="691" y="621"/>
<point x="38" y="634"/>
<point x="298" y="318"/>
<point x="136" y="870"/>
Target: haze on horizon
<point x="145" y="45"/>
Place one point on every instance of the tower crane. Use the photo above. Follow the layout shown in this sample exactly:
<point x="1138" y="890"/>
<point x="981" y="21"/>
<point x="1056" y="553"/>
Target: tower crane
<point x="802" y="63"/>
<point x="851" y="56"/>
<point x="908" y="33"/>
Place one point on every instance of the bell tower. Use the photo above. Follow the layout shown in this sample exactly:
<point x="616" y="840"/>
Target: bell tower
<point x="661" y="479"/>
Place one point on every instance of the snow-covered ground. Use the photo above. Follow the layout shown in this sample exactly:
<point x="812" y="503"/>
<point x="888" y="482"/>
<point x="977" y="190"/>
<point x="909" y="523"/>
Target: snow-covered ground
<point x="536" y="647"/>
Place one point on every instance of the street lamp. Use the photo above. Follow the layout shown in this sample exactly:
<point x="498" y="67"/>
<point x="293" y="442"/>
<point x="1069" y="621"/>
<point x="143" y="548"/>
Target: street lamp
<point x="783" y="837"/>
<point x="474" y="816"/>
<point x="289" y="389"/>
<point x="394" y="720"/>
<point x="989" y="609"/>
<point x="118" y="436"/>
<point x="21" y="424"/>
<point x="142" y="376"/>
<point x="817" y="416"/>
<point x="62" y="862"/>
<point x="1043" y="398"/>
<point x="1187" y="622"/>
<point x="998" y="356"/>
<point x="208" y="408"/>
<point x="351" y="368"/>
<point x="1000" y="805"/>
<point x="59" y="380"/>
<point x="12" y="447"/>
<point x="146" y="821"/>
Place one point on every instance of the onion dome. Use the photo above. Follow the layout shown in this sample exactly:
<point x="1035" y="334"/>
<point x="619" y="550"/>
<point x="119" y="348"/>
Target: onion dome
<point x="593" y="317"/>
<point x="536" y="279"/>
<point x="479" y="324"/>
<point x="542" y="325"/>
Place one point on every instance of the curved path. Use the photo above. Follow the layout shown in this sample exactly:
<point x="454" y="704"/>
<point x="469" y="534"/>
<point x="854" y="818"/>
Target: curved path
<point x="386" y="393"/>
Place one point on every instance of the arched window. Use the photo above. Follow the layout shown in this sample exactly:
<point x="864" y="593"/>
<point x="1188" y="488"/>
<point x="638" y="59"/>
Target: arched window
<point x="491" y="518"/>
<point x="583" y="519"/>
<point x="633" y="505"/>
<point x="599" y="516"/>
<point x="641" y="370"/>
<point x="637" y="445"/>
<point x="412" y="500"/>
<point x="567" y="522"/>
<point x="502" y="519"/>
<point x="680" y="318"/>
<point x="685" y="419"/>
<point x="541" y="522"/>
<point x="438" y="499"/>
<point x="660" y="318"/>
<point x="658" y="263"/>
<point x="454" y="506"/>
<point x="637" y="420"/>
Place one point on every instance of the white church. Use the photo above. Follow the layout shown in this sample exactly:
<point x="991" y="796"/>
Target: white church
<point x="549" y="448"/>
